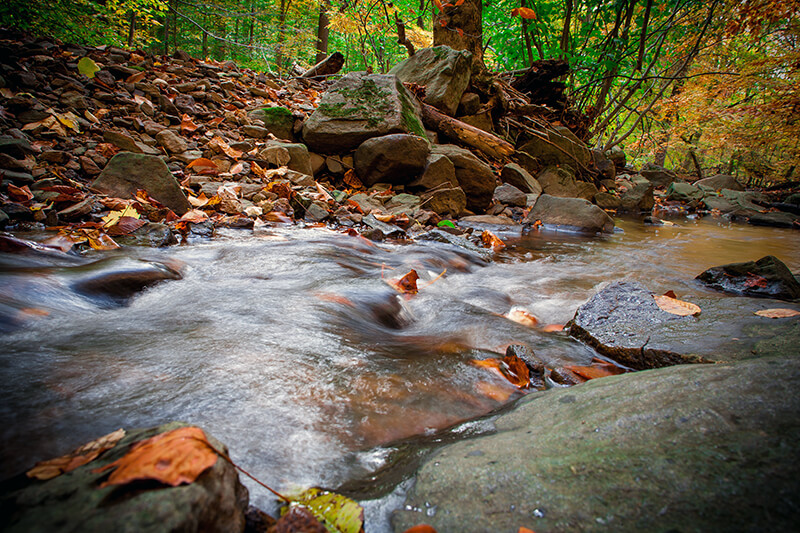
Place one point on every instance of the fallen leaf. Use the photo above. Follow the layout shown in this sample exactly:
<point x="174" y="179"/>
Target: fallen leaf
<point x="276" y="216"/>
<point x="90" y="117"/>
<point x="257" y="170"/>
<point x="352" y="180"/>
<point x="44" y="470"/>
<point x="136" y="78"/>
<point x="337" y="513"/>
<point x="174" y="457"/>
<point x="114" y="216"/>
<point x="198" y="201"/>
<point x="194" y="216"/>
<point x="405" y="285"/>
<point x="490" y="239"/>
<point x="675" y="306"/>
<point x="525" y="530"/>
<point x="421" y="528"/>
<point x="87" y="67"/>
<point x="214" y="122"/>
<point x="19" y="194"/>
<point x="551" y="328"/>
<point x="521" y="316"/>
<point x="187" y="125"/>
<point x="517" y="371"/>
<point x="204" y="166"/>
<point x="69" y="120"/>
<point x="494" y="391"/>
<point x="778" y="313"/>
<point x="754" y="280"/>
<point x="237" y="168"/>
<point x="125" y="226"/>
<point x="671" y="294"/>
<point x="299" y="520"/>
<point x="593" y="372"/>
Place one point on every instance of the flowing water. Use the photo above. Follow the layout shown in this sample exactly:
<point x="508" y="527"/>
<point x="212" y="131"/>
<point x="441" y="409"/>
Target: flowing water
<point x="289" y="346"/>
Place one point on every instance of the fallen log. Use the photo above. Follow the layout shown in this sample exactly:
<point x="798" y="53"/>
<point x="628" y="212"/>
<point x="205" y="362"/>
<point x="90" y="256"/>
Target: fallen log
<point x="330" y="65"/>
<point x="487" y="143"/>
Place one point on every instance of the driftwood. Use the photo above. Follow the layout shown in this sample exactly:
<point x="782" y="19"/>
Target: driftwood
<point x="330" y="65"/>
<point x="487" y="143"/>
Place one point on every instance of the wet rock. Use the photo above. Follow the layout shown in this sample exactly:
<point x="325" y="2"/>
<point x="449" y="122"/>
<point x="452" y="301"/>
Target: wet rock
<point x="659" y="176"/>
<point x="119" y="278"/>
<point x="768" y="277"/>
<point x="687" y="448"/>
<point x="16" y="148"/>
<point x="396" y="159"/>
<point x="78" y="210"/>
<point x="444" y="72"/>
<point x="572" y="212"/>
<point x="775" y="220"/>
<point x="299" y="159"/>
<point x="128" y="143"/>
<point x="174" y="143"/>
<point x="383" y="229"/>
<point x="367" y="203"/>
<point x="719" y="182"/>
<point x="216" y="501"/>
<point x="474" y="176"/>
<point x="151" y="234"/>
<point x="734" y="202"/>
<point x="439" y="170"/>
<point x="603" y="166"/>
<point x="520" y="178"/>
<point x="127" y="172"/>
<point x="468" y="250"/>
<point x="559" y="146"/>
<point x="402" y="203"/>
<point x="509" y="195"/>
<point x="278" y="121"/>
<point x="684" y="192"/>
<point x="316" y="212"/>
<point x="445" y="201"/>
<point x="636" y="195"/>
<point x="605" y="200"/>
<point x="358" y="107"/>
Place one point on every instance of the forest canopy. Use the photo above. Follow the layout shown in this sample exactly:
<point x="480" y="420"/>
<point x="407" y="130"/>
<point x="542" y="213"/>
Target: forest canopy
<point x="681" y="83"/>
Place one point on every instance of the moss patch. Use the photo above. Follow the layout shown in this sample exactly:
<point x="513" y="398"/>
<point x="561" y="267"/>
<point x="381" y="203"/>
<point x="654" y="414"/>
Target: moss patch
<point x="367" y="102"/>
<point x="277" y="112"/>
<point x="410" y="119"/>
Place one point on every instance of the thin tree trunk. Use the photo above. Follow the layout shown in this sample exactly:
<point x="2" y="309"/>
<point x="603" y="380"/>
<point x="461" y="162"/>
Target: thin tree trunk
<point x="166" y="34"/>
<point x="252" y="21"/>
<point x="323" y="32"/>
<point x="565" y="30"/>
<point x="527" y="37"/>
<point x="643" y="36"/>
<point x="420" y="14"/>
<point x="131" y="29"/>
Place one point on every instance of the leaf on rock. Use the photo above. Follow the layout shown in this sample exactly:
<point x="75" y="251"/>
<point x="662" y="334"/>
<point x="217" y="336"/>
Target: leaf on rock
<point x="517" y="371"/>
<point x="299" y="520"/>
<point x="69" y="120"/>
<point x="174" y="457"/>
<point x="114" y="216"/>
<point x="198" y="201"/>
<point x="445" y="224"/>
<point x="87" y="67"/>
<point x="490" y="239"/>
<point x="778" y="313"/>
<point x="522" y="316"/>
<point x="598" y="369"/>
<point x="351" y="180"/>
<point x="44" y="470"/>
<point x="337" y="513"/>
<point x="405" y="285"/>
<point x="422" y="528"/>
<point x="204" y="166"/>
<point x="237" y="168"/>
<point x="195" y="216"/>
<point x="675" y="306"/>
<point x="754" y="280"/>
<point x="525" y="530"/>
<point x="125" y="226"/>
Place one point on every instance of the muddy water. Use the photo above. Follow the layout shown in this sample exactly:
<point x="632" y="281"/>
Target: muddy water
<point x="290" y="347"/>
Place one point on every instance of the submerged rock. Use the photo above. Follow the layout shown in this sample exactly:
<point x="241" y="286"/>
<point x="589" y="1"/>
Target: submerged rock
<point x="768" y="277"/>
<point x="688" y="448"/>
<point x="216" y="501"/>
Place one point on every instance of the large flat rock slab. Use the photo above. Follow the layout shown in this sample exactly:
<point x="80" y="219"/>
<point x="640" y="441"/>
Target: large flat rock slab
<point x="686" y="448"/>
<point x="623" y="322"/>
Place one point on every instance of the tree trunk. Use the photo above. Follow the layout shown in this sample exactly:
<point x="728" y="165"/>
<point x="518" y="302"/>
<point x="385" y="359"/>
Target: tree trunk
<point x="131" y="29"/>
<point x="461" y="28"/>
<point x="565" y="30"/>
<point x="326" y="67"/>
<point x="166" y="34"/>
<point x="527" y="37"/>
<point x="485" y="142"/>
<point x="420" y="14"/>
<point x="281" y="35"/>
<point x="401" y="35"/>
<point x="323" y="32"/>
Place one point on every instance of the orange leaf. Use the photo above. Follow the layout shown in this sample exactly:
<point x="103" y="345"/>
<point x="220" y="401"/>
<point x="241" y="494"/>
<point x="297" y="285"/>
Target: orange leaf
<point x="521" y="316"/>
<point x="442" y="23"/>
<point x="237" y="168"/>
<point x="214" y="122"/>
<point x="460" y="32"/>
<point x="135" y="78"/>
<point x="352" y="180"/>
<point x="494" y="391"/>
<point x="258" y="171"/>
<point x="524" y="12"/>
<point x="490" y="239"/>
<point x="201" y="163"/>
<point x="19" y="194"/>
<point x="438" y="4"/>
<point x="778" y="313"/>
<point x="458" y="3"/>
<point x="676" y="307"/>
<point x="44" y="470"/>
<point x="525" y="530"/>
<point x="550" y="328"/>
<point x="671" y="294"/>
<point x="421" y="528"/>
<point x="405" y="285"/>
<point x="195" y="216"/>
<point x="175" y="457"/>
<point x="518" y="372"/>
<point x="276" y="216"/>
<point x="187" y="126"/>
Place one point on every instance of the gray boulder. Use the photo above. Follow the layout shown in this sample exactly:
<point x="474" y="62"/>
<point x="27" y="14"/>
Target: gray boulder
<point x="558" y="146"/>
<point x="299" y="158"/>
<point x="520" y="178"/>
<point x="659" y="176"/>
<point x="561" y="182"/>
<point x="637" y="195"/>
<point x="358" y="107"/>
<point x="474" y="176"/>
<point x="509" y="195"/>
<point x="438" y="171"/>
<point x="718" y="182"/>
<point x="127" y="172"/>
<point x="769" y="277"/>
<point x="734" y="202"/>
<point x="443" y="71"/>
<point x="278" y="121"/>
<point x="684" y="192"/>
<point x="606" y="200"/>
<point x="396" y="158"/>
<point x="572" y="212"/>
<point x="216" y="501"/>
<point x="445" y="201"/>
<point x="686" y="448"/>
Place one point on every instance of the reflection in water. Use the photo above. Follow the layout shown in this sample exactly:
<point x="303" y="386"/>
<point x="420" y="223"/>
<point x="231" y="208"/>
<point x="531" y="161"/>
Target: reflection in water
<point x="290" y="348"/>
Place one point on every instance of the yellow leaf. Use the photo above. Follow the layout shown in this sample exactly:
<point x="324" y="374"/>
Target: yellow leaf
<point x="114" y="216"/>
<point x="778" y="313"/>
<point x="87" y="67"/>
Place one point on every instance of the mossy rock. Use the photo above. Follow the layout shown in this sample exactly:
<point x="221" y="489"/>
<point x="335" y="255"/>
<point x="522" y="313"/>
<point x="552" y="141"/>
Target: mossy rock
<point x="279" y="121"/>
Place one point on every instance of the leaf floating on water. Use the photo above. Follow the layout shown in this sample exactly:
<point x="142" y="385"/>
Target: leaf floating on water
<point x="405" y="285"/>
<point x="490" y="239"/>
<point x="525" y="530"/>
<point x="498" y="393"/>
<point x="778" y="313"/>
<point x="87" y="67"/>
<point x="337" y="513"/>
<point x="675" y="306"/>
<point x="44" y="470"/>
<point x="522" y="316"/>
<point x="174" y="457"/>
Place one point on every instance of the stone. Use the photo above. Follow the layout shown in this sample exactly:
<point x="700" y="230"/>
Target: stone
<point x="603" y="166"/>
<point x="127" y="172"/>
<point x="128" y="143"/>
<point x="769" y="277"/>
<point x="445" y="201"/>
<point x="382" y="229"/>
<point x="686" y="448"/>
<point x="16" y="148"/>
<point x="299" y="159"/>
<point x="474" y="176"/>
<point x="558" y="181"/>
<point x="444" y="72"/>
<point x="278" y="121"/>
<point x="55" y="156"/>
<point x="617" y="156"/>
<point x="366" y="203"/>
<point x="775" y="220"/>
<point x="216" y="501"/>
<point x="638" y="195"/>
<point x="469" y="104"/>
<point x="683" y="192"/>
<point x="718" y="182"/>
<point x="573" y="212"/>
<point x="558" y="146"/>
<point x="734" y="202"/>
<point x="316" y="212"/>
<point x="151" y="234"/>
<point x="438" y="171"/>
<point x="174" y="143"/>
<point x="358" y="107"/>
<point x="659" y="176"/>
<point x="317" y="163"/>
<point x="396" y="159"/>
<point x="482" y="121"/>
<point x="256" y="132"/>
<point x="520" y="178"/>
<point x="509" y="195"/>
<point x="605" y="200"/>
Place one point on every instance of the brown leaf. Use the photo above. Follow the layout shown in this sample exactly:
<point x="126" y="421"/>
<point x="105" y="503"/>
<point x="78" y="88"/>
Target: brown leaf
<point x="136" y="78"/>
<point x="421" y="528"/>
<point x="778" y="313"/>
<point x="187" y="125"/>
<point x="44" y="470"/>
<point x="405" y="285"/>
<point x="125" y="226"/>
<point x="352" y="180"/>
<point x="299" y="520"/>
<point x="19" y="194"/>
<point x="522" y="316"/>
<point x="195" y="216"/>
<point x="490" y="239"/>
<point x="204" y="166"/>
<point x="175" y="457"/>
<point x="595" y="371"/>
<point x="675" y="306"/>
<point x="517" y="371"/>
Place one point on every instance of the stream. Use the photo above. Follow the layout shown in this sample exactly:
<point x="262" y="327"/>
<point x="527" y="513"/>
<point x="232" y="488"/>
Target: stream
<point x="287" y="345"/>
